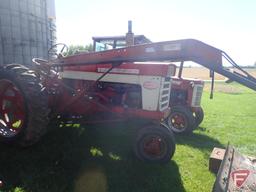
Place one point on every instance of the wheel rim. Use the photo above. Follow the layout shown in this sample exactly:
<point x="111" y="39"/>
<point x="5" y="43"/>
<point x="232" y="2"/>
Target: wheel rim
<point x="177" y="122"/>
<point x="12" y="109"/>
<point x="154" y="146"/>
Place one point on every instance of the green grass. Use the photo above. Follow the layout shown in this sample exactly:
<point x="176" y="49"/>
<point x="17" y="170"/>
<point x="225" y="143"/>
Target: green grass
<point x="99" y="158"/>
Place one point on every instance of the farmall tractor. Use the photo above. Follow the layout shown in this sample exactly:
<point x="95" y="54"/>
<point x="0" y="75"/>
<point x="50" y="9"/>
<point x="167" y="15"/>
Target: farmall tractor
<point x="185" y="103"/>
<point x="109" y="81"/>
<point x="185" y="95"/>
<point x="94" y="84"/>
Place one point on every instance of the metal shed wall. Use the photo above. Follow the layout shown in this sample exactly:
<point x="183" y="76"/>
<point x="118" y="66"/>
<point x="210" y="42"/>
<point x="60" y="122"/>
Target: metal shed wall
<point x="26" y="31"/>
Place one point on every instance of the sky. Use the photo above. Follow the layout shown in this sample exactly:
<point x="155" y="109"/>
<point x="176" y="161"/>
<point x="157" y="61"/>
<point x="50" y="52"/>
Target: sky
<point x="229" y="25"/>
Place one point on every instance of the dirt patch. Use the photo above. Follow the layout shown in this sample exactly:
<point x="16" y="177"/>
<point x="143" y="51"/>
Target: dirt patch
<point x="204" y="74"/>
<point x="200" y="73"/>
<point x="223" y="88"/>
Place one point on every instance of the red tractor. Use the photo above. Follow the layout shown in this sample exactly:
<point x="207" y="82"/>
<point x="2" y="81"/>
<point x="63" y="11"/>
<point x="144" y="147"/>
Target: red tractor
<point x="185" y="96"/>
<point x="185" y="103"/>
<point x="89" y="84"/>
<point x="101" y="87"/>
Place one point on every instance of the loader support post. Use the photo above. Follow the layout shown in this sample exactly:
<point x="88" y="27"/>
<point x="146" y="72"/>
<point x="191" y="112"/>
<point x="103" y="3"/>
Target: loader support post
<point x="212" y="83"/>
<point x="181" y="69"/>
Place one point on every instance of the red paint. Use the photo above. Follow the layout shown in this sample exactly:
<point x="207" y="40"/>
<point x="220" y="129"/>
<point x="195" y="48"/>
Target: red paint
<point x="12" y="107"/>
<point x="185" y="84"/>
<point x="190" y="50"/>
<point x="239" y="177"/>
<point x="152" y="146"/>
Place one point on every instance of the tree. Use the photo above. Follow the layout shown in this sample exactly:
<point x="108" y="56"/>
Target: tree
<point x="74" y="49"/>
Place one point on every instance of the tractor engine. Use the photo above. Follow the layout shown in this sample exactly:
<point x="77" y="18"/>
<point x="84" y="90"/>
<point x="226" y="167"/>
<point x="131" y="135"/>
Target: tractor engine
<point x="132" y="89"/>
<point x="120" y="94"/>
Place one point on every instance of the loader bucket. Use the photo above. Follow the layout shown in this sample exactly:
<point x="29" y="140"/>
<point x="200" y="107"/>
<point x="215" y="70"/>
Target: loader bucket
<point x="236" y="173"/>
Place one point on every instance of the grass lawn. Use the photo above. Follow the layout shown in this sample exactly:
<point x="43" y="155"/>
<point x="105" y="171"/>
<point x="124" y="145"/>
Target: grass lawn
<point x="99" y="158"/>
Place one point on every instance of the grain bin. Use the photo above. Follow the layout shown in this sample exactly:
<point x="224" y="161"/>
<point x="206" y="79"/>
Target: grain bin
<point x="27" y="30"/>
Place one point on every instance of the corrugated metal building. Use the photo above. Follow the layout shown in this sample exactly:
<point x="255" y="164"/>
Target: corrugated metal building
<point x="27" y="30"/>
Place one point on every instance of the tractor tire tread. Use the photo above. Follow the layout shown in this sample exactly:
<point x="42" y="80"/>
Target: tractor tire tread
<point x="191" y="124"/>
<point x="199" y="116"/>
<point x="165" y="133"/>
<point x="36" y="101"/>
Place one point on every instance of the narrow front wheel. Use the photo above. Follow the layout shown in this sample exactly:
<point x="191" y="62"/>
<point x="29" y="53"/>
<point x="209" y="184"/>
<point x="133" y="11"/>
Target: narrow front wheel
<point x="181" y="120"/>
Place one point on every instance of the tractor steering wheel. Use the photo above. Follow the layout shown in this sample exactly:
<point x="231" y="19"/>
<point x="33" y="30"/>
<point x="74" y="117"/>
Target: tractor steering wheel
<point x="63" y="50"/>
<point x="41" y="66"/>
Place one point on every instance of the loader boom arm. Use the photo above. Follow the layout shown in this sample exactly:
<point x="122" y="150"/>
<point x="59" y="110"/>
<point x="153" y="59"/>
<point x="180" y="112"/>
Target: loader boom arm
<point x="174" y="51"/>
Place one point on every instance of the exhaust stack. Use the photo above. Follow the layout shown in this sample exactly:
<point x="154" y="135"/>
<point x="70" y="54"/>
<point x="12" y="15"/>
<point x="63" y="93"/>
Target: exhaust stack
<point x="130" y="35"/>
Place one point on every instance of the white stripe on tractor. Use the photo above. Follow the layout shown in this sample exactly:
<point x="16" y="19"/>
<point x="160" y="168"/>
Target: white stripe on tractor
<point x="93" y="76"/>
<point x="150" y="97"/>
<point x="119" y="70"/>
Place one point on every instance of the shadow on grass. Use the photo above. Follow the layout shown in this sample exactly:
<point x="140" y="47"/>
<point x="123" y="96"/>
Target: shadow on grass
<point x="128" y="176"/>
<point x="199" y="140"/>
<point x="84" y="159"/>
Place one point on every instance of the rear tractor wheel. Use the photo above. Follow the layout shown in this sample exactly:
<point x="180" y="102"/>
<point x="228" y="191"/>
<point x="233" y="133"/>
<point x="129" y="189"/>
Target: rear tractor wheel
<point x="155" y="144"/>
<point x="23" y="106"/>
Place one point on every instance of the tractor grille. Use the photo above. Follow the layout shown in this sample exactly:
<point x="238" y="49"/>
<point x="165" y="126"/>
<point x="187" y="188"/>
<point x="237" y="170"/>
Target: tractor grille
<point x="197" y="94"/>
<point x="165" y="93"/>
